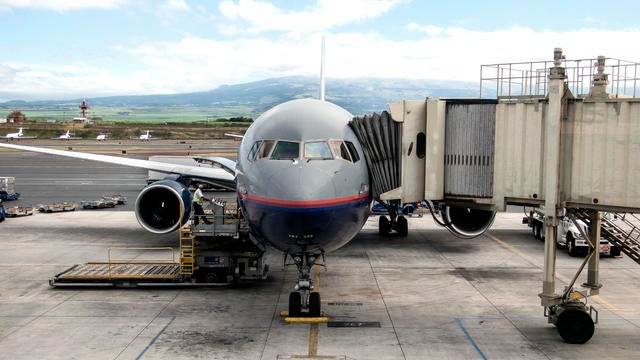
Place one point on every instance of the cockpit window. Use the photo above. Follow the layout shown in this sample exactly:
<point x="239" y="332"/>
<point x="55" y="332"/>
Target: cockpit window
<point x="265" y="149"/>
<point x="286" y="150"/>
<point x="339" y="150"/>
<point x="254" y="150"/>
<point x="352" y="151"/>
<point x="317" y="150"/>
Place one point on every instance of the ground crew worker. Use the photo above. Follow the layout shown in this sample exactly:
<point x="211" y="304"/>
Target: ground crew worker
<point x="198" y="201"/>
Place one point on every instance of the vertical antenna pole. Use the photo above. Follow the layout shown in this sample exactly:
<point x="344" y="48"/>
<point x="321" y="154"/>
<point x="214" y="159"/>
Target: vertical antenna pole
<point x="322" y="71"/>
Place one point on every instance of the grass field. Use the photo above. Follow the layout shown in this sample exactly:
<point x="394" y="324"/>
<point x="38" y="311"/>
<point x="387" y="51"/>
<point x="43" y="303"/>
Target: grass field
<point x="134" y="114"/>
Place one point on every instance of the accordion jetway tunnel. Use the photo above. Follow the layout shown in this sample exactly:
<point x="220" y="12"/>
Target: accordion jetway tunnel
<point x="560" y="135"/>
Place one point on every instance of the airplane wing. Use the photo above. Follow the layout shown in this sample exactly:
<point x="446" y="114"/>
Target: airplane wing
<point x="219" y="176"/>
<point x="234" y="135"/>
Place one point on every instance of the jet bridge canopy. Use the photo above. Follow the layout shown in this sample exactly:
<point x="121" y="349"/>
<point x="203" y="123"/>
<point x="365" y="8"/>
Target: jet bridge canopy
<point x="495" y="152"/>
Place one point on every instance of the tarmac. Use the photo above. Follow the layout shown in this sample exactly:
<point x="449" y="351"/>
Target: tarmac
<point x="427" y="296"/>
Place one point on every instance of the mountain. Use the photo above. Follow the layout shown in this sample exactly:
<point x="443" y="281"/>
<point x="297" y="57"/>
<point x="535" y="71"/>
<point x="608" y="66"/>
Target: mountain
<point x="359" y="96"/>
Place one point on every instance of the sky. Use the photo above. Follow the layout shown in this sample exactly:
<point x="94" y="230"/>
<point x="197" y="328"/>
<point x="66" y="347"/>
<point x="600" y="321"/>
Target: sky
<point x="60" y="49"/>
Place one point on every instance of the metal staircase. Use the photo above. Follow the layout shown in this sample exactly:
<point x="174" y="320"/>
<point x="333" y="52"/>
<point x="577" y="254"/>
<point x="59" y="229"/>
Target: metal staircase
<point x="187" y="259"/>
<point x="621" y="229"/>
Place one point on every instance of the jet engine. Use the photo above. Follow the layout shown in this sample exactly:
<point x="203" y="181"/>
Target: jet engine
<point x="163" y="205"/>
<point x="465" y="222"/>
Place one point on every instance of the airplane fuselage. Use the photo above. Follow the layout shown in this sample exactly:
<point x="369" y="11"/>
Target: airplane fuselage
<point x="302" y="180"/>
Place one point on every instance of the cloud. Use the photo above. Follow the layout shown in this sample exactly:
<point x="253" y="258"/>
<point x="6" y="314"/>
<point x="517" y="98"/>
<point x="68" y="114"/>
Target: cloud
<point x="197" y="64"/>
<point x="61" y="5"/>
<point x="258" y="16"/>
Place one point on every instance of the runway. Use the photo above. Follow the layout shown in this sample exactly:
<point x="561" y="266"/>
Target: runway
<point x="427" y="296"/>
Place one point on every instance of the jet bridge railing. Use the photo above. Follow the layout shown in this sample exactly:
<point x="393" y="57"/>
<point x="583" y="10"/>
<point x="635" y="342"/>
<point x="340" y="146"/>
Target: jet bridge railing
<point x="513" y="81"/>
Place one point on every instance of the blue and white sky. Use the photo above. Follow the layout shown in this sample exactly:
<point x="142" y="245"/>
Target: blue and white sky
<point x="57" y="49"/>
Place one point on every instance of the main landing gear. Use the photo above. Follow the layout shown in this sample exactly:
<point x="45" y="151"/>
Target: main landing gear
<point x="393" y="222"/>
<point x="303" y="298"/>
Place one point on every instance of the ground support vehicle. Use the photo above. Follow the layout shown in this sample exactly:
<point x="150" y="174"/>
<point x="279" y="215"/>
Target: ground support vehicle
<point x="57" y="207"/>
<point x="568" y="235"/>
<point x="8" y="189"/>
<point x="118" y="198"/>
<point x="98" y="204"/>
<point x="16" y="211"/>
<point x="218" y="252"/>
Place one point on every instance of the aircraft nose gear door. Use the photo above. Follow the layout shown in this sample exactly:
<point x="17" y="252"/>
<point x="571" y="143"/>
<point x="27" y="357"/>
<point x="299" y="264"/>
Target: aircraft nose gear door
<point x="303" y="297"/>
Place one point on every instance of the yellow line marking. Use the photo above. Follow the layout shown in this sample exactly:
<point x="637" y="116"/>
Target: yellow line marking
<point x="313" y="340"/>
<point x="561" y="278"/>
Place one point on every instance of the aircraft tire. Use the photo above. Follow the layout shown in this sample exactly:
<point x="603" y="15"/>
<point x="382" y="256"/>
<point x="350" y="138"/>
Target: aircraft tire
<point x="295" y="304"/>
<point x="314" y="304"/>
<point x="402" y="226"/>
<point x="575" y="326"/>
<point x="384" y="226"/>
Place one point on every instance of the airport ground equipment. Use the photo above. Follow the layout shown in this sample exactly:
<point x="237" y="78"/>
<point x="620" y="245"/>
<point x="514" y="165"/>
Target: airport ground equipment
<point x="559" y="135"/>
<point x="118" y="198"/>
<point x="18" y="211"/>
<point x="57" y="207"/>
<point x="568" y="235"/>
<point x="213" y="254"/>
<point x="8" y="189"/>
<point x="98" y="204"/>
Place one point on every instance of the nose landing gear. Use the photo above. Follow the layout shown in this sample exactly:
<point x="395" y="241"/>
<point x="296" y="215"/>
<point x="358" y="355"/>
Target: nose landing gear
<point x="394" y="221"/>
<point x="304" y="298"/>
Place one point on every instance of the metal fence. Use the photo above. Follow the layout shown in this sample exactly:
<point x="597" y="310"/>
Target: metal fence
<point x="530" y="79"/>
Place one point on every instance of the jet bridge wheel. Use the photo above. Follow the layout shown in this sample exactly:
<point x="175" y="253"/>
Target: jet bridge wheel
<point x="575" y="325"/>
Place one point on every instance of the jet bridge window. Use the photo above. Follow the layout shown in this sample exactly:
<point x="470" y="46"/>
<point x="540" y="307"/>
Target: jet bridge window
<point x="317" y="150"/>
<point x="286" y="150"/>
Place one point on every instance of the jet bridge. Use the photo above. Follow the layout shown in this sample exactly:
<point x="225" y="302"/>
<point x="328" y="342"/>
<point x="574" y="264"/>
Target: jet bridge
<point x="561" y="134"/>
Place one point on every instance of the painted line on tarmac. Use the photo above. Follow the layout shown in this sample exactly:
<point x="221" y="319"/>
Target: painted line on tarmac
<point x="155" y="338"/>
<point x="511" y="248"/>
<point x="466" y="333"/>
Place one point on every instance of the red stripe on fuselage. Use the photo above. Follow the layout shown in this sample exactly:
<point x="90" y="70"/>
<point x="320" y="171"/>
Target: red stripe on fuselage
<point x="301" y="204"/>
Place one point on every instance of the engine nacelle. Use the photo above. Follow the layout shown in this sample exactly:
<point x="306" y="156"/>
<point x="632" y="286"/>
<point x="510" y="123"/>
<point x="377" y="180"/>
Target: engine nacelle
<point x="465" y="222"/>
<point x="163" y="205"/>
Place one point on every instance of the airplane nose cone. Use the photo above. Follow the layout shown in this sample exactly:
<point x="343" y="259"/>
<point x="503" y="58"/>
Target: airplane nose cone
<point x="300" y="182"/>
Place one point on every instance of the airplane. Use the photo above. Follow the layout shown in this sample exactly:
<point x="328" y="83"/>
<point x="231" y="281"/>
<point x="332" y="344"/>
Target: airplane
<point x="302" y="183"/>
<point x="65" y="136"/>
<point x="17" y="135"/>
<point x="146" y="137"/>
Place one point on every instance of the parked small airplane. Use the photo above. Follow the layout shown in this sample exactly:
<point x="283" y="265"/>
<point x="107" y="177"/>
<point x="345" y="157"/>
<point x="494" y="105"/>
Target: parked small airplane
<point x="16" y="135"/>
<point x="146" y="137"/>
<point x="65" y="136"/>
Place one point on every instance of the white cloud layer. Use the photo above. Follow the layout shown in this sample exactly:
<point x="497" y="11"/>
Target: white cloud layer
<point x="271" y="42"/>
<point x="60" y="5"/>
<point x="260" y="16"/>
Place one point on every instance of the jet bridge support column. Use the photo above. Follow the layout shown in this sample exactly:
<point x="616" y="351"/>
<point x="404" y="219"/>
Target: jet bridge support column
<point x="552" y="178"/>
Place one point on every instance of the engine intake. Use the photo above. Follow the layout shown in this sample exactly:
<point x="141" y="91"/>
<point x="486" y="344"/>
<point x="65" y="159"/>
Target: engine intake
<point x="163" y="205"/>
<point x="467" y="223"/>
